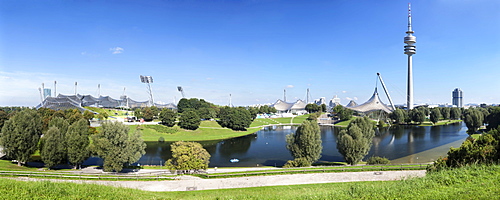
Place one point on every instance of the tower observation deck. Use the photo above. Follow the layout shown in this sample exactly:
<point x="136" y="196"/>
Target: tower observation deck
<point x="410" y="49"/>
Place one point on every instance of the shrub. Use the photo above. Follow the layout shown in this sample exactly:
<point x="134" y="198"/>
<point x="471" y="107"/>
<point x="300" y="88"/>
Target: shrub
<point x="161" y="139"/>
<point x="374" y="160"/>
<point x="298" y="162"/>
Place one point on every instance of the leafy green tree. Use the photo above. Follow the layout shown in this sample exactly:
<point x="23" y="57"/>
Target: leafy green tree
<point x="473" y="120"/>
<point x="445" y="112"/>
<point x="435" y="115"/>
<point x="148" y="114"/>
<point x="3" y="118"/>
<point x="117" y="147"/>
<point x="189" y="120"/>
<point x="77" y="143"/>
<point x="322" y="108"/>
<point x="455" y="113"/>
<point x="183" y="104"/>
<point x="417" y="115"/>
<point x="355" y="141"/>
<point x="168" y="117"/>
<point x="88" y="115"/>
<point x="493" y="118"/>
<point x="312" y="108"/>
<point x="138" y="113"/>
<point x="306" y="142"/>
<point x="399" y="116"/>
<point x="253" y="112"/>
<point x="60" y="123"/>
<point x="207" y="113"/>
<point x="188" y="157"/>
<point x="343" y="113"/>
<point x="235" y="118"/>
<point x="53" y="151"/>
<point x="20" y="135"/>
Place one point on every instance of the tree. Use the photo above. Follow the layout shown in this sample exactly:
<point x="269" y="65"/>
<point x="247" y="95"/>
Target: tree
<point x="148" y="114"/>
<point x="435" y="115"/>
<point x="187" y="157"/>
<point x="117" y="147"/>
<point x="311" y="108"/>
<point x="138" y="113"/>
<point x="78" y="143"/>
<point x="343" y="113"/>
<point x="3" y="118"/>
<point x="306" y="142"/>
<point x="355" y="141"/>
<point x="399" y="116"/>
<point x="445" y="112"/>
<point x="235" y="118"/>
<point x="455" y="113"/>
<point x="20" y="135"/>
<point x="189" y="120"/>
<point x="417" y="115"/>
<point x="53" y="151"/>
<point x="322" y="108"/>
<point x="88" y="115"/>
<point x="207" y="113"/>
<point x="493" y="118"/>
<point x="168" y="117"/>
<point x="473" y="120"/>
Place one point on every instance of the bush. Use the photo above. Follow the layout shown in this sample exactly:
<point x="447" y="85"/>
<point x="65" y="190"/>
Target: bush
<point x="161" y="139"/>
<point x="162" y="129"/>
<point x="298" y="162"/>
<point x="375" y="160"/>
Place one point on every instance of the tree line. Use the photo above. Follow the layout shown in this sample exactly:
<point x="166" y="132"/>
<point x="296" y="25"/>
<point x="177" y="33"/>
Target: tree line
<point x="65" y="137"/>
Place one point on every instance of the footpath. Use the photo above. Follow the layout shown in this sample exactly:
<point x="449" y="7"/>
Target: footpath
<point x="187" y="183"/>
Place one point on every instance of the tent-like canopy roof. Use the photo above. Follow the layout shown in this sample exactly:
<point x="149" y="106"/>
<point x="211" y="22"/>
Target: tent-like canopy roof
<point x="284" y="106"/>
<point x="373" y="104"/>
<point x="62" y="102"/>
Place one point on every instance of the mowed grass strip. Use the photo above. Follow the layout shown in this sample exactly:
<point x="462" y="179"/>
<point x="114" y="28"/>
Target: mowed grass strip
<point x="475" y="182"/>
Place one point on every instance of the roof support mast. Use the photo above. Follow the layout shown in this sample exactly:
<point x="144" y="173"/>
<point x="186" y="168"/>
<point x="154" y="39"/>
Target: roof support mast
<point x="386" y="92"/>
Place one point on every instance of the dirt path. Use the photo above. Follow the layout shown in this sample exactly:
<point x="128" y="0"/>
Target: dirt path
<point x="184" y="183"/>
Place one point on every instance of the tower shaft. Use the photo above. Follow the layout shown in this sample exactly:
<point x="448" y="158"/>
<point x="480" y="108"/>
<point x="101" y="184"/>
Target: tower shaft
<point x="410" y="49"/>
<point x="410" y="83"/>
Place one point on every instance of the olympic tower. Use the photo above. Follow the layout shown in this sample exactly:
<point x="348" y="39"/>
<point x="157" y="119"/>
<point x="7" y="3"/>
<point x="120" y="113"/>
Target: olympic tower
<point x="410" y="49"/>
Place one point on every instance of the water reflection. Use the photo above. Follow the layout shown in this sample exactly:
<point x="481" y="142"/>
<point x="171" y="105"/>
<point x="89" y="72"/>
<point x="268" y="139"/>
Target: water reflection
<point x="268" y="146"/>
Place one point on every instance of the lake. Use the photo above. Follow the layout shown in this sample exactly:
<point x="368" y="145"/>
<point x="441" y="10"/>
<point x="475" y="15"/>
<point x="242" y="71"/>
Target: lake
<point x="267" y="147"/>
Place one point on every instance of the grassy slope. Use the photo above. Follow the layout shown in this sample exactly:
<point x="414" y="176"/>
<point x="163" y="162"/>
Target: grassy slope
<point x="211" y="130"/>
<point x="477" y="182"/>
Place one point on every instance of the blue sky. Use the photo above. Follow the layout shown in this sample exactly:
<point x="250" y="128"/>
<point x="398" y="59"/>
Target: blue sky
<point x="250" y="49"/>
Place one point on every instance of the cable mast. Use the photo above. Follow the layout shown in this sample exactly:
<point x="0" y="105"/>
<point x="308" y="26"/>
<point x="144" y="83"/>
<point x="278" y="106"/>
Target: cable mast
<point x="386" y="92"/>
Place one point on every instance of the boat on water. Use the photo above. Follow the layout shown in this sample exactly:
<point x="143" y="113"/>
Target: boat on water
<point x="234" y="160"/>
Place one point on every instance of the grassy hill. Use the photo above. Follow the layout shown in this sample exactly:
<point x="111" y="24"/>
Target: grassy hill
<point x="475" y="182"/>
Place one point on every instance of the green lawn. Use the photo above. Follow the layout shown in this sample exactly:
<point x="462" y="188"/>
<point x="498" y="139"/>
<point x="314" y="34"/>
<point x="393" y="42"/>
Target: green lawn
<point x="477" y="182"/>
<point x="200" y="134"/>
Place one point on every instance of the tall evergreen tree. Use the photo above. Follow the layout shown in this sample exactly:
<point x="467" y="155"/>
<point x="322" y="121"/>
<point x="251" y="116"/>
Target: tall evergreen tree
<point x="20" y="135"/>
<point x="78" y="143"/>
<point x="355" y="141"/>
<point x="305" y="144"/>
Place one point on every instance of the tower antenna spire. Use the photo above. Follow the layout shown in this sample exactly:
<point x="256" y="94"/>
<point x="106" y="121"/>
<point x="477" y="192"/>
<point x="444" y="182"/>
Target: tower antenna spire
<point x="410" y="49"/>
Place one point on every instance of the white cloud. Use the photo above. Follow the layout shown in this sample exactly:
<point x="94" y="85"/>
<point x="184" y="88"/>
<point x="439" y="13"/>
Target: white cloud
<point x="209" y="78"/>
<point x="344" y="91"/>
<point x="290" y="86"/>
<point x="116" y="50"/>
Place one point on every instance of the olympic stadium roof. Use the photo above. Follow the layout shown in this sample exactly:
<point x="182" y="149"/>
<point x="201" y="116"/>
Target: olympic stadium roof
<point x="62" y="102"/>
<point x="373" y="104"/>
<point x="282" y="106"/>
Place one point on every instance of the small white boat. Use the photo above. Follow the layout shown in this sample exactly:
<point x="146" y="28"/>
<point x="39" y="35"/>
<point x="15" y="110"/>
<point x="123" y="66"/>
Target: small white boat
<point x="234" y="160"/>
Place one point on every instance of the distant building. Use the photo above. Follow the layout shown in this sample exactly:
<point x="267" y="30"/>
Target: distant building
<point x="457" y="97"/>
<point x="334" y="102"/>
<point x="46" y="93"/>
<point x="320" y="101"/>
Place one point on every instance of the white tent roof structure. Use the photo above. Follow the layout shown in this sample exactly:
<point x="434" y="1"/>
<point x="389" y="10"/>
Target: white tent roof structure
<point x="286" y="107"/>
<point x="373" y="104"/>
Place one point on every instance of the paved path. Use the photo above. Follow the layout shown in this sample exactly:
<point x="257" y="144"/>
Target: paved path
<point x="184" y="183"/>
